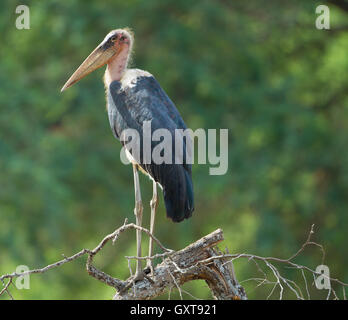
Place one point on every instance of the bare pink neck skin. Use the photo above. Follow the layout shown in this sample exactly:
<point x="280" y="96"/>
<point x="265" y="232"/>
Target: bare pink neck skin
<point x="116" y="67"/>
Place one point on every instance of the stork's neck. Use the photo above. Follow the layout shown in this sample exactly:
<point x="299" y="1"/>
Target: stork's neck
<point x="117" y="66"/>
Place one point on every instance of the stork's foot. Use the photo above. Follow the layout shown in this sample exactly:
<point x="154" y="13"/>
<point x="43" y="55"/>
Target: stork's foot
<point x="149" y="270"/>
<point x="140" y="276"/>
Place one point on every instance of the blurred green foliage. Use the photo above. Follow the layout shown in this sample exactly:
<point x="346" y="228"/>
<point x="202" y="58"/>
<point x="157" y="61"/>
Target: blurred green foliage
<point x="259" y="68"/>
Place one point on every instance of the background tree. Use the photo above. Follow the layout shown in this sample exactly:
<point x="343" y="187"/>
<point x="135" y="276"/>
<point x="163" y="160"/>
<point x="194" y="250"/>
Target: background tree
<point x="259" y="68"/>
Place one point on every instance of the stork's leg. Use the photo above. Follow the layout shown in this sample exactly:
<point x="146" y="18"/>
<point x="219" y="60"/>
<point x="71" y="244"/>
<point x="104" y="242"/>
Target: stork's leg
<point x="138" y="211"/>
<point x="153" y="204"/>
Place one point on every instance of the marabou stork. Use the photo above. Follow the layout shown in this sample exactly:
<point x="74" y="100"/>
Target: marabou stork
<point x="135" y="96"/>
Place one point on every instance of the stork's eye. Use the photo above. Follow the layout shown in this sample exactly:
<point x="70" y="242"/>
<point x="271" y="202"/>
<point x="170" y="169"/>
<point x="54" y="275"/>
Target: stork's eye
<point x="113" y="39"/>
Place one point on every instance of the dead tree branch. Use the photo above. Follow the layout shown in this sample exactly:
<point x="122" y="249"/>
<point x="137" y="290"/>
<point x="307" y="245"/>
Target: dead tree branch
<point x="186" y="265"/>
<point x="200" y="260"/>
<point x="178" y="268"/>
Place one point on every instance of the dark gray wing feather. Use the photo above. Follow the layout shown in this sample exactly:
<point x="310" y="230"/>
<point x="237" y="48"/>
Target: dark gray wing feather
<point x="128" y="108"/>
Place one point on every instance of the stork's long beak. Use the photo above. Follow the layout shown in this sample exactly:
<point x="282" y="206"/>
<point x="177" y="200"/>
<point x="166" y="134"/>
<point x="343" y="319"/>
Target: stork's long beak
<point x="99" y="57"/>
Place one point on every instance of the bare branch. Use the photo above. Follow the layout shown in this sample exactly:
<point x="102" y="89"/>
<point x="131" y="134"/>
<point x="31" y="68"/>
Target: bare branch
<point x="200" y="260"/>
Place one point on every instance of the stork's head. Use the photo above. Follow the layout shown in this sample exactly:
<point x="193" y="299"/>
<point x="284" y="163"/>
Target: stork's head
<point x="114" y="44"/>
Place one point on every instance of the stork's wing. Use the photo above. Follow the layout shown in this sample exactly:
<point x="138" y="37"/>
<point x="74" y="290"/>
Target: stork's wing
<point x="145" y="100"/>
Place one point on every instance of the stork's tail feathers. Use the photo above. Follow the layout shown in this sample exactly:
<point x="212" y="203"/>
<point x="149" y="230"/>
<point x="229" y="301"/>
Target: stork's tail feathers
<point x="178" y="194"/>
